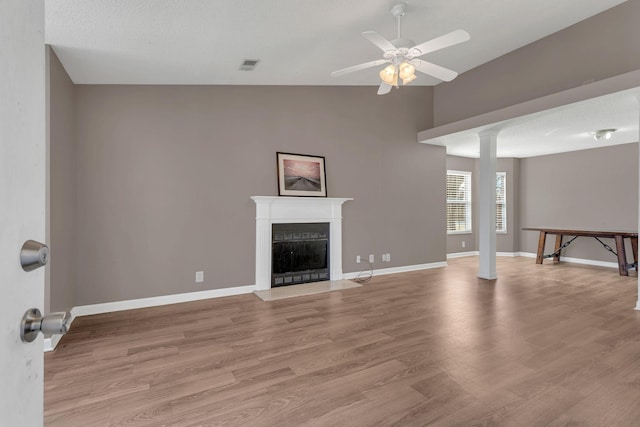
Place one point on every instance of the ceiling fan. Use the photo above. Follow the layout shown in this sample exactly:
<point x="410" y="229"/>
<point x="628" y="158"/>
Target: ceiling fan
<point x="402" y="55"/>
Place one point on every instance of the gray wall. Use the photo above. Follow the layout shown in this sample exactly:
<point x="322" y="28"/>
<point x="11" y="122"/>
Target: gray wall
<point x="505" y="242"/>
<point x="164" y="176"/>
<point x="591" y="189"/>
<point x="602" y="46"/>
<point x="62" y="182"/>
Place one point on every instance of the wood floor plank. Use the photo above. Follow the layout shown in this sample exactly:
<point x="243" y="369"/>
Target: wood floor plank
<point x="541" y="345"/>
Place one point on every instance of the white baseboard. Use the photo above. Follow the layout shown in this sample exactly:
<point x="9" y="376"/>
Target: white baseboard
<point x="393" y="270"/>
<point x="532" y="255"/>
<point x="87" y="310"/>
<point x="476" y="253"/>
<point x="590" y="262"/>
<point x="526" y="254"/>
<point x="577" y="260"/>
<point x="638" y="305"/>
<point x="108" y="307"/>
<point x="462" y="254"/>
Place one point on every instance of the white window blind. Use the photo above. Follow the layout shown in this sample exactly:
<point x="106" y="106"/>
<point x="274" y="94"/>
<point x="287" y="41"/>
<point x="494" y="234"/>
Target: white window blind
<point x="458" y="202"/>
<point x="501" y="202"/>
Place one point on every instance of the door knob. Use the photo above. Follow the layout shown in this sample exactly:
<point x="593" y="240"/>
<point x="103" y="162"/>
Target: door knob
<point x="33" y="322"/>
<point x="33" y="255"/>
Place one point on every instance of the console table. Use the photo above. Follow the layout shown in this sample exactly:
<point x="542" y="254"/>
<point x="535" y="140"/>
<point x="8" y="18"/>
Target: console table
<point x="619" y="236"/>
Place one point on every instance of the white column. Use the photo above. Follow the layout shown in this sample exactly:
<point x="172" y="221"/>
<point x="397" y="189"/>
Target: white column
<point x="263" y="246"/>
<point x="487" y="205"/>
<point x="638" y="299"/>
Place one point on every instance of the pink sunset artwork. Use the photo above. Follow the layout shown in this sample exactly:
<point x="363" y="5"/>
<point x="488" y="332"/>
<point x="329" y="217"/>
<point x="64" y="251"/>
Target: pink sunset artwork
<point x="301" y="175"/>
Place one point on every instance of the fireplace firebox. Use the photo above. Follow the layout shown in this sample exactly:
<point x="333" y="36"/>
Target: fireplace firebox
<point x="299" y="253"/>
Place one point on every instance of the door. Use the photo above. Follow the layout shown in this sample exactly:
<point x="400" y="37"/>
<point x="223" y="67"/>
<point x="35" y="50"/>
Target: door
<point x="22" y="204"/>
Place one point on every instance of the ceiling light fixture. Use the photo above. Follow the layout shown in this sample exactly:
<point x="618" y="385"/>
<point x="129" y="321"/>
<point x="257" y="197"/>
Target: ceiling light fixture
<point x="405" y="71"/>
<point x="603" y="134"/>
<point x="403" y="56"/>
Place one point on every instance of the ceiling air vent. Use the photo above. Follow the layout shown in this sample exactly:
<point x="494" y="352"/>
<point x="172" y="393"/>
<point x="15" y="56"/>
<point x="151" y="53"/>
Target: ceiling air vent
<point x="249" y="64"/>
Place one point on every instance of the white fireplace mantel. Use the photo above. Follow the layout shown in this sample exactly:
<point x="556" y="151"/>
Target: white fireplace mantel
<point x="275" y="209"/>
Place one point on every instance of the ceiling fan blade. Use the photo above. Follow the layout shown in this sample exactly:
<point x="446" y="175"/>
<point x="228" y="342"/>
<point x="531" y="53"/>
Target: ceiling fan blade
<point x="441" y="42"/>
<point x="379" y="41"/>
<point x="434" y="70"/>
<point x="359" y="67"/>
<point x="384" y="88"/>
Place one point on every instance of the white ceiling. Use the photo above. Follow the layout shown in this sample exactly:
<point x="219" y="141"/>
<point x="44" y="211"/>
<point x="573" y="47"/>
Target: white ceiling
<point x="298" y="42"/>
<point x="558" y="130"/>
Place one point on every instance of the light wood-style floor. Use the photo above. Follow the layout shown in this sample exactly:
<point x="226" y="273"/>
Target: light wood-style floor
<point x="542" y="345"/>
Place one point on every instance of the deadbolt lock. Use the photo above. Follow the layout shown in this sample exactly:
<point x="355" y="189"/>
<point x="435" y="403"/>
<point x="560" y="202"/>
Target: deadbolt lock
<point x="33" y="255"/>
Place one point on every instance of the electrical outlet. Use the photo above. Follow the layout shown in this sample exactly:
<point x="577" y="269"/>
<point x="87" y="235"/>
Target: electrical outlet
<point x="358" y="259"/>
<point x="199" y="276"/>
<point x="372" y="258"/>
<point x="464" y="243"/>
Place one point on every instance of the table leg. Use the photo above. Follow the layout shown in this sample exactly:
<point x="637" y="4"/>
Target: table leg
<point x="556" y="250"/>
<point x="622" y="256"/>
<point x="541" y="241"/>
<point x="634" y="248"/>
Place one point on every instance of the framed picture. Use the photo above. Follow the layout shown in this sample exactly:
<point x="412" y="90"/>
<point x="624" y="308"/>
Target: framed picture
<point x="301" y="175"/>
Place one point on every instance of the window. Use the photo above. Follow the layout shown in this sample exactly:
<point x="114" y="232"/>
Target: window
<point x="501" y="202"/>
<point x="458" y="202"/>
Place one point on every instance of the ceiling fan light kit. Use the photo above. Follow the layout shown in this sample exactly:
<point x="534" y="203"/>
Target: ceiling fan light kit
<point x="402" y="56"/>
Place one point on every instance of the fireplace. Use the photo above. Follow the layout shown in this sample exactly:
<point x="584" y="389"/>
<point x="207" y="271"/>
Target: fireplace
<point x="299" y="253"/>
<point x="274" y="210"/>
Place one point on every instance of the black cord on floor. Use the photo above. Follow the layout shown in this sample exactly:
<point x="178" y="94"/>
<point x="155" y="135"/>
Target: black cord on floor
<point x="360" y="278"/>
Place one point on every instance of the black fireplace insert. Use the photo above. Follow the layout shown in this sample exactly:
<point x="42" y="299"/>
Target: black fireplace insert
<point x="299" y="253"/>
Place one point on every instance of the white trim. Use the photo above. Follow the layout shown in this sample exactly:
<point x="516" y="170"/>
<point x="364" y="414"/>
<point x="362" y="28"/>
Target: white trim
<point x="526" y="254"/>
<point x="476" y="253"/>
<point x="276" y="209"/>
<point x="108" y="307"/>
<point x="394" y="270"/>
<point x="583" y="261"/>
<point x="87" y="310"/>
<point x="462" y="254"/>
<point x="590" y="262"/>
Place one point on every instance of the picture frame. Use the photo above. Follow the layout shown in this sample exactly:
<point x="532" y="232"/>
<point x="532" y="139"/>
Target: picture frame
<point x="301" y="175"/>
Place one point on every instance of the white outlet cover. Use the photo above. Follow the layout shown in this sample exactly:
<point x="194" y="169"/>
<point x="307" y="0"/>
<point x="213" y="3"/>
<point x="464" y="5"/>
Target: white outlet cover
<point x="372" y="258"/>
<point x="199" y="276"/>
